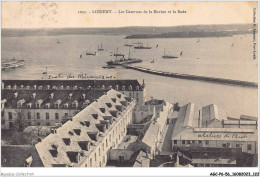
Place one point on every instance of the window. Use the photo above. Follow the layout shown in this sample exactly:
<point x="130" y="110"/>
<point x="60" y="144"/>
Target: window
<point x="136" y="94"/>
<point x="183" y="141"/>
<point x="199" y="141"/>
<point x="47" y="115"/>
<point x="66" y="114"/>
<point x="29" y="123"/>
<point x="188" y="141"/>
<point x="29" y="115"/>
<point x="106" y="143"/>
<point x="10" y="124"/>
<point x="206" y="142"/>
<point x="249" y="147"/>
<point x="103" y="147"/>
<point x="110" y="138"/>
<point x="193" y="141"/>
<point x="48" y="124"/>
<point x="99" y="151"/>
<point x="100" y="164"/>
<point x="137" y="99"/>
<point x="56" y="115"/>
<point x="10" y="115"/>
<point x="130" y="94"/>
<point x="90" y="161"/>
<point x="175" y="141"/>
<point x="237" y="145"/>
<point x="38" y="115"/>
<point x="38" y="123"/>
<point x="224" y="145"/>
<point x="95" y="156"/>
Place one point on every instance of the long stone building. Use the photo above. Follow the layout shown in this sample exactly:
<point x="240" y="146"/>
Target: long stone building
<point x="85" y="141"/>
<point x="47" y="102"/>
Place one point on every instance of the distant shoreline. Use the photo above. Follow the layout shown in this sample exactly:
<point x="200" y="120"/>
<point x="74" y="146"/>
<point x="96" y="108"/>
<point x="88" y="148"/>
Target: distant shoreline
<point x="133" y="32"/>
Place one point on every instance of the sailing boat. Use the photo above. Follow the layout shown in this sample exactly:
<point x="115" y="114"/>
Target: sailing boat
<point x="128" y="45"/>
<point x="100" y="49"/>
<point x="181" y="53"/>
<point x="118" y="54"/>
<point x="141" y="46"/>
<point x="80" y="56"/>
<point x="168" y="56"/>
<point x="90" y="53"/>
<point x="45" y="73"/>
<point x="58" y="42"/>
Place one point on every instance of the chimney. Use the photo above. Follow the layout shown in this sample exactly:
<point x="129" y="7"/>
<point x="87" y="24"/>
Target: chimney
<point x="199" y="120"/>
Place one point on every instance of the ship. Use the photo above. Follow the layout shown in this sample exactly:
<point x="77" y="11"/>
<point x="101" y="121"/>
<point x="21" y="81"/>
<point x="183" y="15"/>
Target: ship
<point x="100" y="48"/>
<point x="90" y="53"/>
<point x="116" y="54"/>
<point x="12" y="64"/>
<point x="141" y="46"/>
<point x="123" y="61"/>
<point x="166" y="56"/>
<point x="128" y="45"/>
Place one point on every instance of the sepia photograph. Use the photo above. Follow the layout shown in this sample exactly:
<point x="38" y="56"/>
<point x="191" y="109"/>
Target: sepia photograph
<point x="129" y="84"/>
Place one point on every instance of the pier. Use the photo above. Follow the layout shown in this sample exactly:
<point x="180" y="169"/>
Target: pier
<point x="194" y="77"/>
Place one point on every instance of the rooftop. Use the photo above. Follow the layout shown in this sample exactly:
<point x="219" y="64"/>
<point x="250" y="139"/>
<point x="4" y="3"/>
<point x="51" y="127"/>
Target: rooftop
<point x="80" y="136"/>
<point x="134" y="85"/>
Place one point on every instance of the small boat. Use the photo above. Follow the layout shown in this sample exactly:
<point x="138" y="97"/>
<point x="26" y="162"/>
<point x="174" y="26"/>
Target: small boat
<point x="100" y="48"/>
<point x="58" y="42"/>
<point x="90" y="53"/>
<point x="108" y="67"/>
<point x="198" y="40"/>
<point x="181" y="53"/>
<point x="80" y="56"/>
<point x="152" y="61"/>
<point x="141" y="46"/>
<point x="157" y="46"/>
<point x="45" y="73"/>
<point x="116" y="54"/>
<point x="166" y="56"/>
<point x="128" y="45"/>
<point x="12" y="64"/>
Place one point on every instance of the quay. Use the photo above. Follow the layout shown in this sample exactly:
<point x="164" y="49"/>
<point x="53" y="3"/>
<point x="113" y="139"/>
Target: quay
<point x="193" y="77"/>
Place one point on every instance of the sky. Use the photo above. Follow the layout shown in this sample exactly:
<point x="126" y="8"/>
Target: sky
<point x="66" y="14"/>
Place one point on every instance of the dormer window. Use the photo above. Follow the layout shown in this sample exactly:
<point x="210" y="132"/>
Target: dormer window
<point x="61" y="87"/>
<point x="103" y="87"/>
<point x="83" y="96"/>
<point x="27" y="87"/>
<point x="29" y="105"/>
<point x="33" y="95"/>
<point x="118" y="95"/>
<point x="48" y="87"/>
<point x="34" y="87"/>
<point x="68" y="87"/>
<point x="95" y="116"/>
<point x="89" y="87"/>
<point x="15" y="87"/>
<point x="51" y="96"/>
<point x="75" y="104"/>
<point x="54" y="87"/>
<point x="8" y="87"/>
<point x="47" y="105"/>
<point x="66" y="141"/>
<point x="57" y="104"/>
<point x="117" y="87"/>
<point x="110" y="87"/>
<point x="40" y="87"/>
<point x="15" y="95"/>
<point x="103" y="110"/>
<point x="66" y="105"/>
<point x="123" y="87"/>
<point x="21" y="86"/>
<point x="137" y="87"/>
<point x="113" y="99"/>
<point x="75" y="87"/>
<point x="109" y="105"/>
<point x="70" y="96"/>
<point x="130" y="87"/>
<point x="20" y="103"/>
<point x="38" y="103"/>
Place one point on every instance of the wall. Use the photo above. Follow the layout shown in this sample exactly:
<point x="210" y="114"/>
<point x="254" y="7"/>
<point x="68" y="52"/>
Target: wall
<point x="117" y="133"/>
<point x="34" y="120"/>
<point x="218" y="144"/>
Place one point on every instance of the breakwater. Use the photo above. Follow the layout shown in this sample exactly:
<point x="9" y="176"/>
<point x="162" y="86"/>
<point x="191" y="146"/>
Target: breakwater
<point x="194" y="77"/>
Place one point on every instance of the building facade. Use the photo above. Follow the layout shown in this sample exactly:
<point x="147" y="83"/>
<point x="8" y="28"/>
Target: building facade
<point x="48" y="102"/>
<point x="86" y="140"/>
<point x="213" y="130"/>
